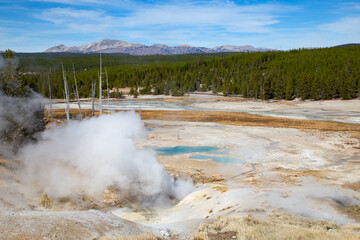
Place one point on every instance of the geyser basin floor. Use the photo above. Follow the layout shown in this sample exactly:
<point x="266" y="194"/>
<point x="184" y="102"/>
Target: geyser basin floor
<point x="252" y="145"/>
<point x="280" y="168"/>
<point x="270" y="164"/>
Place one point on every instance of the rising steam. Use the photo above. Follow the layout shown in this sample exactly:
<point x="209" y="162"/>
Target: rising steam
<point x="19" y="120"/>
<point x="87" y="157"/>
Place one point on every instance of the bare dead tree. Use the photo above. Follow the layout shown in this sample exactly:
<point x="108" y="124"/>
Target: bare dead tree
<point x="77" y="93"/>
<point x="93" y="97"/>
<point x="51" y="112"/>
<point x="107" y="89"/>
<point x="100" y="89"/>
<point x="66" y="89"/>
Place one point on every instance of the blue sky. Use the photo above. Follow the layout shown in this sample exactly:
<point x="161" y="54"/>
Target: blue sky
<point x="35" y="25"/>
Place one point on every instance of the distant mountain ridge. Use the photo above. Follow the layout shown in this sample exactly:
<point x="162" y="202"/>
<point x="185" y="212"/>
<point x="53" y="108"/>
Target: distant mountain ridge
<point x="116" y="46"/>
<point x="347" y="45"/>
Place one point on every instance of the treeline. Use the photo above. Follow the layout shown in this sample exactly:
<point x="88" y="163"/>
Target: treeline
<point x="40" y="62"/>
<point x="307" y="73"/>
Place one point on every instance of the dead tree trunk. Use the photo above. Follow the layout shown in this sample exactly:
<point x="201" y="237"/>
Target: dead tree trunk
<point x="66" y="89"/>
<point x="77" y="93"/>
<point x="93" y="97"/>
<point x="51" y="112"/>
<point x="100" y="90"/>
<point x="107" y="89"/>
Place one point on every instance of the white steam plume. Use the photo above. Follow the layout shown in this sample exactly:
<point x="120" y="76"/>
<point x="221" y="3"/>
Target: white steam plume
<point x="86" y="157"/>
<point x="311" y="200"/>
<point x="17" y="119"/>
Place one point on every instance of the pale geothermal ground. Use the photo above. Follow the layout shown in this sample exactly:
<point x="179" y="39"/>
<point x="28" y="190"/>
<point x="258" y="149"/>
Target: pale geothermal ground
<point x="251" y="181"/>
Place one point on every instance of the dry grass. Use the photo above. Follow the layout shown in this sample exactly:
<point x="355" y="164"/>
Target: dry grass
<point x="355" y="134"/>
<point x="200" y="236"/>
<point x="45" y="201"/>
<point x="278" y="226"/>
<point x="221" y="189"/>
<point x="202" y="178"/>
<point x="174" y="100"/>
<point x="144" y="236"/>
<point x="110" y="198"/>
<point x="197" y="175"/>
<point x="245" y="119"/>
<point x="60" y="113"/>
<point x="234" y="118"/>
<point x="352" y="212"/>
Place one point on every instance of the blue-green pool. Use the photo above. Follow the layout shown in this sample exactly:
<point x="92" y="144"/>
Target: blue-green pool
<point x="168" y="151"/>
<point x="217" y="154"/>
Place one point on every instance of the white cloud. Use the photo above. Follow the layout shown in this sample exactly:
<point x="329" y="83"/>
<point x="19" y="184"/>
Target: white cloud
<point x="70" y="20"/>
<point x="347" y="25"/>
<point x="206" y="17"/>
<point x="125" y="4"/>
<point x="352" y="5"/>
<point x="213" y="16"/>
<point x="64" y="15"/>
<point x="71" y="2"/>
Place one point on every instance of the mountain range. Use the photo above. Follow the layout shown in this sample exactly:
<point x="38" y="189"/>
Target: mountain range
<point x="116" y="46"/>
